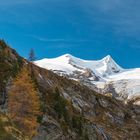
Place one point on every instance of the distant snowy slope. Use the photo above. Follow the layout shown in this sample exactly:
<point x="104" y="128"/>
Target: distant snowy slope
<point x="69" y="63"/>
<point x="61" y="64"/>
<point x="103" y="75"/>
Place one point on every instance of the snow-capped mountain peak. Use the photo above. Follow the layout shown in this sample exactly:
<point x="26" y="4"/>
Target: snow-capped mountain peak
<point x="104" y="75"/>
<point x="110" y="65"/>
<point x="107" y="58"/>
<point x="69" y="63"/>
<point x="67" y="55"/>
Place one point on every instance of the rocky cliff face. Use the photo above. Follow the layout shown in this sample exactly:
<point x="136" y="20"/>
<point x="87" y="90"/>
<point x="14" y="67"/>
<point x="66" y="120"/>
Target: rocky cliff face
<point x="70" y="109"/>
<point x="101" y="117"/>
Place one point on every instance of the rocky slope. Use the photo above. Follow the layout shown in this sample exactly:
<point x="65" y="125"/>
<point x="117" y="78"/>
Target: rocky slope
<point x="104" y="117"/>
<point x="104" y="76"/>
<point x="70" y="109"/>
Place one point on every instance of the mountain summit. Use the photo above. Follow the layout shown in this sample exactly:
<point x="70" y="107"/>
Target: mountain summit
<point x="104" y="76"/>
<point x="69" y="63"/>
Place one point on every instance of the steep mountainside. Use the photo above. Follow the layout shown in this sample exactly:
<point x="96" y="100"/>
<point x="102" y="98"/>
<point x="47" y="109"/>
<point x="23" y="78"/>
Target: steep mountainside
<point x="104" y="76"/>
<point x="10" y="63"/>
<point x="70" y="110"/>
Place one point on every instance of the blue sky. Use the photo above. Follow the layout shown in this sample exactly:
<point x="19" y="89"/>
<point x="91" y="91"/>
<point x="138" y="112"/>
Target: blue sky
<point x="90" y="29"/>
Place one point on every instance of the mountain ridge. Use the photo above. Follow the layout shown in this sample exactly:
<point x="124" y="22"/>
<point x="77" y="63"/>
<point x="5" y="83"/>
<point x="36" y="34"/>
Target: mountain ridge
<point x="67" y="58"/>
<point x="102" y="75"/>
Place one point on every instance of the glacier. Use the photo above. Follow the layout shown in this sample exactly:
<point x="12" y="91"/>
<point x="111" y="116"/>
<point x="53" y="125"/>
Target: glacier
<point x="105" y="75"/>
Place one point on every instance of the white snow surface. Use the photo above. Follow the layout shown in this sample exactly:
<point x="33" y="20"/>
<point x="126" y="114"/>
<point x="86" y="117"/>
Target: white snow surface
<point x="68" y="63"/>
<point x="60" y="63"/>
<point x="125" y="81"/>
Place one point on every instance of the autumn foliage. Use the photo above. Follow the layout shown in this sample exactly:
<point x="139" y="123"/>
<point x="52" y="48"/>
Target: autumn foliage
<point x="23" y="103"/>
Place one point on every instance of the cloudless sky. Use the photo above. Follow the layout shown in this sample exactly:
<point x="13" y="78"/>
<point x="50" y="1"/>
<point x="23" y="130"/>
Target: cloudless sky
<point x="89" y="29"/>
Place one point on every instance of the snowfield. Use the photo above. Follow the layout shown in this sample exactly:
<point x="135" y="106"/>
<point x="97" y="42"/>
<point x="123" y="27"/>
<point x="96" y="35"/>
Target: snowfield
<point x="105" y="75"/>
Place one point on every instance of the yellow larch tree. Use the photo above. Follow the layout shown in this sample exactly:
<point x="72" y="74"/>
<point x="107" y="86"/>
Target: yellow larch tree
<point x="23" y="103"/>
